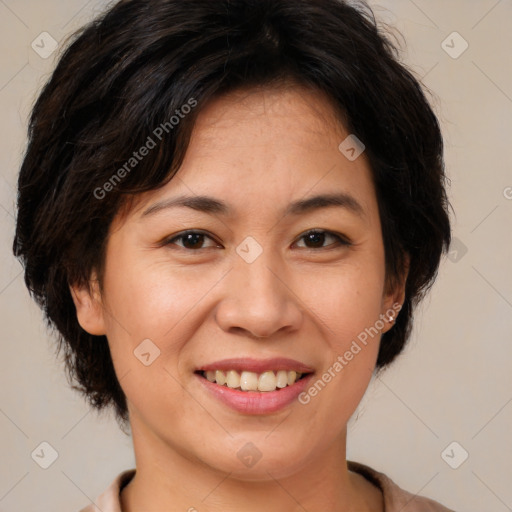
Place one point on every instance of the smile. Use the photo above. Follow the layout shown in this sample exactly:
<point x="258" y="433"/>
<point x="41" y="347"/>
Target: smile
<point x="253" y="386"/>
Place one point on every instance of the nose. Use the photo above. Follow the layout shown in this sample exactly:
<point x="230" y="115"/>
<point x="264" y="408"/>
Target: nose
<point x="259" y="300"/>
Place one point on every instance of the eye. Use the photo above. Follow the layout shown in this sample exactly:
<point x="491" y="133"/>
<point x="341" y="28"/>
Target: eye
<point x="192" y="240"/>
<point x="316" y="238"/>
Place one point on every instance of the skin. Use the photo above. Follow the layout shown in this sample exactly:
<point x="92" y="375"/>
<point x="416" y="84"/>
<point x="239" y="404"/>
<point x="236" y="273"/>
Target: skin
<point x="257" y="150"/>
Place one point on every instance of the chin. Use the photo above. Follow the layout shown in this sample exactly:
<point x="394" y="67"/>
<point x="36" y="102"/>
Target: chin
<point x="260" y="461"/>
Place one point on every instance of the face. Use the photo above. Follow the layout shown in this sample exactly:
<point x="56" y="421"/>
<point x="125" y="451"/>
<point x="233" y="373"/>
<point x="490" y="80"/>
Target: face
<point x="258" y="282"/>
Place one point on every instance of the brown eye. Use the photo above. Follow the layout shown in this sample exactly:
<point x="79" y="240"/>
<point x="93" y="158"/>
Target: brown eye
<point x="316" y="239"/>
<point x="192" y="240"/>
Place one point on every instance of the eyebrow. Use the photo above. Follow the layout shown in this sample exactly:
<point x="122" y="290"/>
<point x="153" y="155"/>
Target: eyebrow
<point x="214" y="206"/>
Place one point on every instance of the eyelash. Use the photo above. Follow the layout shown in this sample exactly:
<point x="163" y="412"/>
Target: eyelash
<point x="341" y="239"/>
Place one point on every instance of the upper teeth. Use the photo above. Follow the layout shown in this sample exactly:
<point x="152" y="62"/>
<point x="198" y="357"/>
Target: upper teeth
<point x="250" y="381"/>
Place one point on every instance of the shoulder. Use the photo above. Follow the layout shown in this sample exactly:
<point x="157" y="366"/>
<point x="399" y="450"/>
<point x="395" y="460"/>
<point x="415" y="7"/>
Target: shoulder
<point x="108" y="501"/>
<point x="395" y="498"/>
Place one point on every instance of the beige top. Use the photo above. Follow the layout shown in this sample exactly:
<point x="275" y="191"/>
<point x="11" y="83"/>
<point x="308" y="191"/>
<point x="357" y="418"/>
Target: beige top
<point x="395" y="498"/>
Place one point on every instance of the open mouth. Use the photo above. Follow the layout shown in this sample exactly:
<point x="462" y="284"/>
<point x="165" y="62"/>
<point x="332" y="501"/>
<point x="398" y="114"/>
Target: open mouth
<point x="251" y="381"/>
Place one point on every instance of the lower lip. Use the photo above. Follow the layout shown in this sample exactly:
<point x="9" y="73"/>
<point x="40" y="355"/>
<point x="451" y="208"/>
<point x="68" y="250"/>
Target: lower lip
<point x="257" y="402"/>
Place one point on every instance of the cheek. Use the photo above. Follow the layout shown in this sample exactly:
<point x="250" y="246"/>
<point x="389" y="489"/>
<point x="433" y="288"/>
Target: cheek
<point x="347" y="301"/>
<point x="149" y="307"/>
<point x="149" y="299"/>
<point x="347" y="298"/>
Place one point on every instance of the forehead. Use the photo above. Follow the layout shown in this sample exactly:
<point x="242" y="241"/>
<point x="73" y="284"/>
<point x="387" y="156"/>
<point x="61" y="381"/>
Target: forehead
<point x="270" y="145"/>
<point x="270" y="116"/>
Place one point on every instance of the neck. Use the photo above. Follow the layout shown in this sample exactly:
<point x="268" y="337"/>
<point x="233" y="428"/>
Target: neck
<point x="168" y="477"/>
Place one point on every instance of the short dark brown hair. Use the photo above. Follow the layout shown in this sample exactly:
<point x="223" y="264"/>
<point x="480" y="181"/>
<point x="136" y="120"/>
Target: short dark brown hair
<point x="132" y="69"/>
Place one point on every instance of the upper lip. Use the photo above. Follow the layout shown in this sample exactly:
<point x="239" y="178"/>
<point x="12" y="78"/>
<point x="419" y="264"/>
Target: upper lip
<point x="248" y="364"/>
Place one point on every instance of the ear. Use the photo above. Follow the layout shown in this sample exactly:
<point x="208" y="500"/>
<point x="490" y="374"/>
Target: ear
<point x="89" y="307"/>
<point x="394" y="298"/>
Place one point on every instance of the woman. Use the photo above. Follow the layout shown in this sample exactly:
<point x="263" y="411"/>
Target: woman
<point x="229" y="210"/>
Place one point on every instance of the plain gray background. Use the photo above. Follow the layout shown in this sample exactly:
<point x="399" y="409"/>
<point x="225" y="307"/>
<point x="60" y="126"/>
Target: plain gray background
<point x="453" y="383"/>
